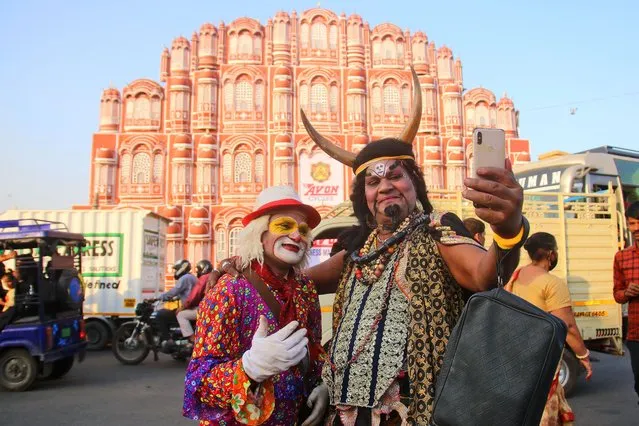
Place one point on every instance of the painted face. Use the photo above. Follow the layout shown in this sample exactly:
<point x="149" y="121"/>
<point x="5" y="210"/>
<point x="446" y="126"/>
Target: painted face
<point x="286" y="242"/>
<point x="387" y="183"/>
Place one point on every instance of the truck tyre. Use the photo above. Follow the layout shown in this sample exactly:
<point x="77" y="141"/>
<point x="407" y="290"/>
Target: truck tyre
<point x="97" y="335"/>
<point x="568" y="372"/>
<point x="18" y="370"/>
<point x="61" y="367"/>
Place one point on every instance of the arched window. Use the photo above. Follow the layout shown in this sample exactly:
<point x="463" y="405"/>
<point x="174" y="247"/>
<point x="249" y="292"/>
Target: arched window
<point x="233" y="44"/>
<point x="389" y="49"/>
<point x="242" y="168"/>
<point x="332" y="39"/>
<point x="304" y="35"/>
<point x="228" y="96"/>
<point x="234" y="238"/>
<point x="142" y="108"/>
<point x="245" y="43"/>
<point x="354" y="33"/>
<point x="177" y="59"/>
<point x="125" y="168"/>
<point x="319" y="98"/>
<point x="470" y="116"/>
<point x="377" y="48"/>
<point x="391" y="99"/>
<point x="281" y="32"/>
<point x="158" y="165"/>
<point x="206" y="97"/>
<point x="243" y="96"/>
<point x="377" y="100"/>
<point x="257" y="45"/>
<point x="220" y="244"/>
<point x="482" y="115"/>
<point x="259" y="96"/>
<point x="228" y="171"/>
<point x="318" y="36"/>
<point x="400" y="50"/>
<point x="130" y="107"/>
<point x="334" y="98"/>
<point x="207" y="45"/>
<point x="141" y="168"/>
<point x="259" y="168"/>
<point x="405" y="100"/>
<point x="304" y="96"/>
<point x="156" y="108"/>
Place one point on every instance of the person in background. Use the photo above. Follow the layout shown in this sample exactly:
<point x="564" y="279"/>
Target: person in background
<point x="183" y="286"/>
<point x="8" y="302"/>
<point x="626" y="287"/>
<point x="477" y="229"/>
<point x="3" y="257"/>
<point x="535" y="284"/>
<point x="187" y="312"/>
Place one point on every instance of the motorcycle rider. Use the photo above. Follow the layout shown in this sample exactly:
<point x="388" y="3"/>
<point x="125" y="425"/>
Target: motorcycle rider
<point x="183" y="285"/>
<point x="187" y="312"/>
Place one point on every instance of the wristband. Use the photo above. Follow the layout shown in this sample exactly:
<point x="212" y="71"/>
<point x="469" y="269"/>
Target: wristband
<point x="517" y="240"/>
<point x="584" y="356"/>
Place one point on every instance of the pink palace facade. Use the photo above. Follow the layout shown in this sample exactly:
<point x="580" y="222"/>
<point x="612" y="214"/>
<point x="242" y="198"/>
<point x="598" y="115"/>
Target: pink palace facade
<point x="222" y="123"/>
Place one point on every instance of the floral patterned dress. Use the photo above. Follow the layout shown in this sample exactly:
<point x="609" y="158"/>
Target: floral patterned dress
<point x="217" y="390"/>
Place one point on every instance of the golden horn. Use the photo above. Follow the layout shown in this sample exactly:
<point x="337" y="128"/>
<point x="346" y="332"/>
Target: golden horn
<point x="412" y="126"/>
<point x="341" y="155"/>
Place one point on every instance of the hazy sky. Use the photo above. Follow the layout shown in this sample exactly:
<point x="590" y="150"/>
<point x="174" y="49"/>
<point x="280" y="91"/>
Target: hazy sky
<point x="59" y="55"/>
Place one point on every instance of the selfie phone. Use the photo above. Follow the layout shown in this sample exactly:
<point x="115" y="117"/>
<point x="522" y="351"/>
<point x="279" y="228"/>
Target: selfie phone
<point x="489" y="149"/>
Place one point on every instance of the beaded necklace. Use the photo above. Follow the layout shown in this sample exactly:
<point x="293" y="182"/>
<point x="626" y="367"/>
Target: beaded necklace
<point x="367" y="272"/>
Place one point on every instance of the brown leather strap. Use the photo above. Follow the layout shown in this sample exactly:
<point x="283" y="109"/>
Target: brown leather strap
<point x="258" y="283"/>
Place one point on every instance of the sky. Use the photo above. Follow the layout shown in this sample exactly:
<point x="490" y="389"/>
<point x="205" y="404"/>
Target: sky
<point x="58" y="56"/>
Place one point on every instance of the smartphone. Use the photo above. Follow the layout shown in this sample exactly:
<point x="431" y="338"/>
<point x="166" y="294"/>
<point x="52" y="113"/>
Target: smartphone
<point x="489" y="149"/>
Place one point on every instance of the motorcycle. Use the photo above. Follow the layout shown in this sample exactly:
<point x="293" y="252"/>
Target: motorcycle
<point x="134" y="340"/>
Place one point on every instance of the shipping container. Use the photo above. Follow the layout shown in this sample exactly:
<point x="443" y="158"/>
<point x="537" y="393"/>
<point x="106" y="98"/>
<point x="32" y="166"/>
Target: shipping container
<point x="122" y="263"/>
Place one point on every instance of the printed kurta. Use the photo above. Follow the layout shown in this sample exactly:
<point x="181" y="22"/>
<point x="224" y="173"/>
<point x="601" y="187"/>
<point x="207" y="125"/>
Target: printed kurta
<point x="216" y="388"/>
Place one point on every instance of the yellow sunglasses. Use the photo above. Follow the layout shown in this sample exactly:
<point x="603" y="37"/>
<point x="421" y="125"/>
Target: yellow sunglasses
<point x="287" y="225"/>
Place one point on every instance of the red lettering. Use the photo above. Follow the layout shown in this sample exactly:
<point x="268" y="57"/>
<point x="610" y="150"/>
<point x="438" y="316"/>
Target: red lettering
<point x="320" y="190"/>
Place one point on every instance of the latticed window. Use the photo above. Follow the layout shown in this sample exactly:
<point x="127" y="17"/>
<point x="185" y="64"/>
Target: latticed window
<point x="419" y="51"/>
<point x="281" y="32"/>
<point x="482" y="115"/>
<point x="227" y="163"/>
<point x="400" y="50"/>
<point x="141" y="168"/>
<point x="220" y="244"/>
<point x="243" y="96"/>
<point x="234" y="239"/>
<point x="334" y="98"/>
<point x="377" y="48"/>
<point x="470" y="116"/>
<point x="158" y="164"/>
<point x="228" y="96"/>
<point x="332" y="39"/>
<point x="257" y="45"/>
<point x="318" y="36"/>
<point x="207" y="45"/>
<point x="177" y="59"/>
<point x="304" y="34"/>
<point x="389" y="49"/>
<point x="245" y="44"/>
<point x="391" y="99"/>
<point x="319" y="98"/>
<point x="125" y="168"/>
<point x="233" y="44"/>
<point x="354" y="34"/>
<point x="259" y="168"/>
<point x="304" y="96"/>
<point x="377" y="100"/>
<point x="259" y="96"/>
<point x="242" y="169"/>
<point x="156" y="108"/>
<point x="142" y="108"/>
<point x="130" y="107"/>
<point x="405" y="100"/>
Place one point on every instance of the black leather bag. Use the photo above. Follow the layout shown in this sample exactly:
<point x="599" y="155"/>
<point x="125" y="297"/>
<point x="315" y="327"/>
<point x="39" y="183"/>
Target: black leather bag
<point x="499" y="363"/>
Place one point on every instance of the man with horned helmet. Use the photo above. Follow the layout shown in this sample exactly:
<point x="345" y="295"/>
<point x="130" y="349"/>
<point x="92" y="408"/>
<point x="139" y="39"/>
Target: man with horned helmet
<point x="404" y="278"/>
<point x="257" y="354"/>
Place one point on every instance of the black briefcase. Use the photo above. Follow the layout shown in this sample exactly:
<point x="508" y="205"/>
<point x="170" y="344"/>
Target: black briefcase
<point x="499" y="363"/>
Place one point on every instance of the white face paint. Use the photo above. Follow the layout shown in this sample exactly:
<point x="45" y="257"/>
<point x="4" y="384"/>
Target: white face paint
<point x="289" y="251"/>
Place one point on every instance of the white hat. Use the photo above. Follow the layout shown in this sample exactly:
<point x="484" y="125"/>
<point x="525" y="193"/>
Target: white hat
<point x="277" y="197"/>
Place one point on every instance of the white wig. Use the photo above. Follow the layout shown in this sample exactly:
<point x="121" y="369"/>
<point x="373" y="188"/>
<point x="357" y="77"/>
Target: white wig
<point x="250" y="245"/>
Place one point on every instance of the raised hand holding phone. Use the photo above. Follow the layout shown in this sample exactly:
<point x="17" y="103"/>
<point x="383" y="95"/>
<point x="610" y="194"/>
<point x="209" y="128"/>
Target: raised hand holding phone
<point x="492" y="187"/>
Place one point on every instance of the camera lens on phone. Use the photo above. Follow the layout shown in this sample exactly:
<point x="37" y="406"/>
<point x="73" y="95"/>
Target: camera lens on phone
<point x="479" y="138"/>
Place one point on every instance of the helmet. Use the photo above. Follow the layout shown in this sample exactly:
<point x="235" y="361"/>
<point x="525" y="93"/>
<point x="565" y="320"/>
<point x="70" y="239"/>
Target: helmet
<point x="203" y="267"/>
<point x="181" y="267"/>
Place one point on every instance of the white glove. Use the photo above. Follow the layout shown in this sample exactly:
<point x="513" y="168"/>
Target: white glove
<point x="271" y="355"/>
<point x="318" y="401"/>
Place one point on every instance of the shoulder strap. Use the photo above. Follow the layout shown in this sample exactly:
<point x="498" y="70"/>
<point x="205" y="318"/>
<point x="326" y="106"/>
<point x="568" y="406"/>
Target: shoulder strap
<point x="258" y="284"/>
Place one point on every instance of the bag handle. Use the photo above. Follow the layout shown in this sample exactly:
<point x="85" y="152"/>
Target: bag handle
<point x="258" y="283"/>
